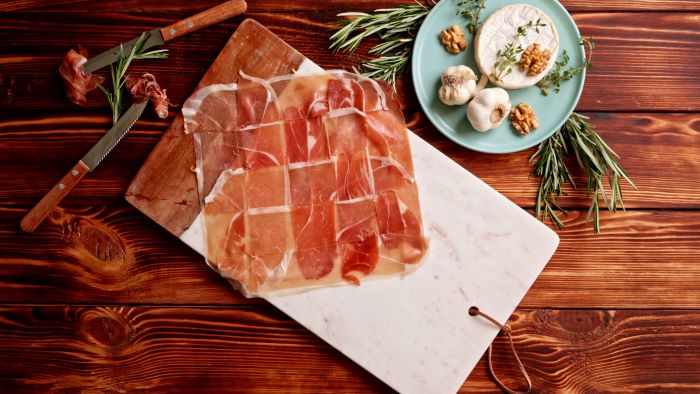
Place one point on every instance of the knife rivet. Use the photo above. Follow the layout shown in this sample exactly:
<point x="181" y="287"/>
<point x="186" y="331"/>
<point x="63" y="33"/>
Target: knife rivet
<point x="61" y="186"/>
<point x="172" y="32"/>
<point x="190" y="24"/>
<point x="74" y="172"/>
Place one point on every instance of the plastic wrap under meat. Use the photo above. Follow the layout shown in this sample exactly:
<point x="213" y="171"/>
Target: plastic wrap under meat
<point x="307" y="181"/>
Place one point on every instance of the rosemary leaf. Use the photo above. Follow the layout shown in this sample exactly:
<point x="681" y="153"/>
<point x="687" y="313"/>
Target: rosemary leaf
<point x="594" y="157"/>
<point x="395" y="27"/>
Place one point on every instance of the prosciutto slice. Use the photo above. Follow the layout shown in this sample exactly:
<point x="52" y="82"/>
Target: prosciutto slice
<point x="77" y="83"/>
<point x="306" y="181"/>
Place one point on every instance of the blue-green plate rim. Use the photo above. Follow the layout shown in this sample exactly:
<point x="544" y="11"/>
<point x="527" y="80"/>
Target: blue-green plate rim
<point x="429" y="114"/>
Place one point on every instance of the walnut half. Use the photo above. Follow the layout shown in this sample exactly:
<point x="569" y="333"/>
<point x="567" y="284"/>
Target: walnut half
<point x="524" y="119"/>
<point x="534" y="59"/>
<point x="453" y="39"/>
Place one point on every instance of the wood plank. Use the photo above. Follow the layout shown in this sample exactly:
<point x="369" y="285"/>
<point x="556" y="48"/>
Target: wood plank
<point x="57" y="139"/>
<point x="122" y="348"/>
<point x="642" y="60"/>
<point x="116" y="255"/>
<point x="302" y="5"/>
<point x="610" y="351"/>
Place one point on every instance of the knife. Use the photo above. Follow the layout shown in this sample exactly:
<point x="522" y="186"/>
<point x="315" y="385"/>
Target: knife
<point x="87" y="164"/>
<point x="160" y="36"/>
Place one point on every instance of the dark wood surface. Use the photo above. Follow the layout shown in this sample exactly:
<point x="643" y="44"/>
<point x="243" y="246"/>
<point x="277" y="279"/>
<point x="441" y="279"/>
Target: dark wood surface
<point x="102" y="298"/>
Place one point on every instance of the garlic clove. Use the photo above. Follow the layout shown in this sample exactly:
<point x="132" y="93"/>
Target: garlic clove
<point x="488" y="109"/>
<point x="458" y="85"/>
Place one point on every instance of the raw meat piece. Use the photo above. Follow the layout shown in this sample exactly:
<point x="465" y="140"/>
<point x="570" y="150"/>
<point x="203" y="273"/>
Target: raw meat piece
<point x="266" y="187"/>
<point x="359" y="257"/>
<point x="322" y="181"/>
<point x="399" y="223"/>
<point x="352" y="175"/>
<point x="296" y="134"/>
<point x="146" y="86"/>
<point x="340" y="94"/>
<point x="268" y="244"/>
<point x="346" y="133"/>
<point x="77" y="83"/>
<point x="264" y="146"/>
<point x="357" y="221"/>
<point x="225" y="226"/>
<point x="316" y="262"/>
<point x="308" y="181"/>
<point x="317" y="139"/>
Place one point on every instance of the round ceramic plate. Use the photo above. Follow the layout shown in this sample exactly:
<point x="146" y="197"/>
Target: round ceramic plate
<point x="430" y="59"/>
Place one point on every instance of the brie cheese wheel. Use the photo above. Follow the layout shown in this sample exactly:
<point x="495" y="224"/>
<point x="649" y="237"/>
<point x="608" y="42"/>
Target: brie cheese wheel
<point x="500" y="29"/>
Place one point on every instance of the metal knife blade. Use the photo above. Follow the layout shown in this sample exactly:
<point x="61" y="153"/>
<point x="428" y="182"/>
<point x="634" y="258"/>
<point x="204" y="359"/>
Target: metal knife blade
<point x="153" y="38"/>
<point x="105" y="145"/>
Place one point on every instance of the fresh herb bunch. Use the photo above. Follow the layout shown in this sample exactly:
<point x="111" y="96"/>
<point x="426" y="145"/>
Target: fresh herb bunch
<point x="578" y="138"/>
<point x="558" y="74"/>
<point x="395" y="27"/>
<point x="471" y="9"/>
<point x="506" y="58"/>
<point x="118" y="73"/>
<point x="522" y="30"/>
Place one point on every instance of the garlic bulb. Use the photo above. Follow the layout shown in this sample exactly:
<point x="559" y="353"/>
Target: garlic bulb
<point x="488" y="109"/>
<point x="458" y="85"/>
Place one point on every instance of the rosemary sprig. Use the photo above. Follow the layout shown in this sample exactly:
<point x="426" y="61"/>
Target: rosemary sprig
<point x="118" y="73"/>
<point x="471" y="9"/>
<point x="395" y="27"/>
<point x="558" y="74"/>
<point x="600" y="163"/>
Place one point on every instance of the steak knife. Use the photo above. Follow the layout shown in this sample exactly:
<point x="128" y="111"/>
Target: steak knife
<point x="87" y="164"/>
<point x="160" y="36"/>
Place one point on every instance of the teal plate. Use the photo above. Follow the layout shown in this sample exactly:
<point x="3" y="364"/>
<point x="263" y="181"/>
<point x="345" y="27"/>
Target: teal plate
<point x="430" y="59"/>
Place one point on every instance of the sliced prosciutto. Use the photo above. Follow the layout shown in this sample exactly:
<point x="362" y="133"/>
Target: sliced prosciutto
<point x="307" y="181"/>
<point x="77" y="83"/>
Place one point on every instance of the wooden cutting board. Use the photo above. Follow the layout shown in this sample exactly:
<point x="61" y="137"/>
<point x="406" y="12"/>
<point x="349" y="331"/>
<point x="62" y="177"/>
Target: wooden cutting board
<point x="412" y="332"/>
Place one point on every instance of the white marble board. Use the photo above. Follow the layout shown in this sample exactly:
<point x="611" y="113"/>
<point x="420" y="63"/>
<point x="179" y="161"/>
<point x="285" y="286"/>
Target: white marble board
<point x="414" y="332"/>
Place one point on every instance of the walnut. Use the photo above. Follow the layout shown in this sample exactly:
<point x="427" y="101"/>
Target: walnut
<point x="535" y="60"/>
<point x="524" y="119"/>
<point x="453" y="39"/>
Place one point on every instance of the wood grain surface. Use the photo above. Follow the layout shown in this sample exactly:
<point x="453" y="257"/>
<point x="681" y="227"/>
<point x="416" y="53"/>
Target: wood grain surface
<point x="642" y="64"/>
<point x="258" y="349"/>
<point x="100" y="298"/>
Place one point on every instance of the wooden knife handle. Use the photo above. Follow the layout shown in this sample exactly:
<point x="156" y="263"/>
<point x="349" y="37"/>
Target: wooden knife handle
<point x="47" y="204"/>
<point x="203" y="19"/>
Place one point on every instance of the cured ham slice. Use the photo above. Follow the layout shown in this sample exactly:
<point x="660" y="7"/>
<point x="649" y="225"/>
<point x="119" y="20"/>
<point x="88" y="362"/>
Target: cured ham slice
<point x="77" y="83"/>
<point x="305" y="181"/>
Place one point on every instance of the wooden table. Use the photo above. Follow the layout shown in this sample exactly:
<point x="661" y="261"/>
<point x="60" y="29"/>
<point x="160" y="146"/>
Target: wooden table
<point x="102" y="298"/>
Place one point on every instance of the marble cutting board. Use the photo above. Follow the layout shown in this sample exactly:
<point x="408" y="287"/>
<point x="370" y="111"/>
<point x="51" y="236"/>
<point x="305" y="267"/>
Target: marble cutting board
<point x="414" y="332"/>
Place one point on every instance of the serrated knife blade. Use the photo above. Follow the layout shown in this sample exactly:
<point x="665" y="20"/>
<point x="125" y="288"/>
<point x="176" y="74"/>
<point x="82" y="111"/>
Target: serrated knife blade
<point x="105" y="145"/>
<point x="87" y="164"/>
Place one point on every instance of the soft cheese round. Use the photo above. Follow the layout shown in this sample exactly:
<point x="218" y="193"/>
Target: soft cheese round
<point x="500" y="29"/>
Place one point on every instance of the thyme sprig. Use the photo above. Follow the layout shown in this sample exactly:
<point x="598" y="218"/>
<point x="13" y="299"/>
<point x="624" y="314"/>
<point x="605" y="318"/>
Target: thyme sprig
<point x="118" y="73"/>
<point x="558" y="74"/>
<point x="395" y="27"/>
<point x="506" y="58"/>
<point x="471" y="9"/>
<point x="522" y="30"/>
<point x="594" y="157"/>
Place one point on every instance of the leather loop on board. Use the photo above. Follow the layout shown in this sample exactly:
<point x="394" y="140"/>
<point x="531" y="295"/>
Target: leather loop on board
<point x="505" y="328"/>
